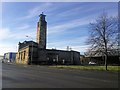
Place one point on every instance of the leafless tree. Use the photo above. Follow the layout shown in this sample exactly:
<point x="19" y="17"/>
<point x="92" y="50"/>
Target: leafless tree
<point x="103" y="35"/>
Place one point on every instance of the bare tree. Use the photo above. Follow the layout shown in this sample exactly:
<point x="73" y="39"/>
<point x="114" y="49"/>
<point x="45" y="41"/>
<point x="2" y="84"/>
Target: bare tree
<point x="103" y="35"/>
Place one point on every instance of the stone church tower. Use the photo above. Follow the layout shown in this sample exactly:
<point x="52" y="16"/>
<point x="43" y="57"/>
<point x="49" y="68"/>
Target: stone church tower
<point x="41" y="31"/>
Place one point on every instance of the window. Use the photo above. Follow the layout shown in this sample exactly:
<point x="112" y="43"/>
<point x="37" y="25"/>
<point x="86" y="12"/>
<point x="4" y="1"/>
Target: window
<point x="24" y="54"/>
<point x="21" y="56"/>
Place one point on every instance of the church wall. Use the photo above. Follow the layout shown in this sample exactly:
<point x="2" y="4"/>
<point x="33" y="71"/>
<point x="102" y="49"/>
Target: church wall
<point x="58" y="57"/>
<point x="22" y="56"/>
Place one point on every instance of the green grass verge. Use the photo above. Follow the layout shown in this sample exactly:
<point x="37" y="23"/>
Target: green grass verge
<point x="111" y="68"/>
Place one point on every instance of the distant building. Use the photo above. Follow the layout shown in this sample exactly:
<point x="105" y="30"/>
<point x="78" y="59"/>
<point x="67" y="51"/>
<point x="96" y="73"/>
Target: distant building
<point x="111" y="52"/>
<point x="10" y="57"/>
<point x="99" y="57"/>
<point x="30" y="52"/>
<point x="1" y="57"/>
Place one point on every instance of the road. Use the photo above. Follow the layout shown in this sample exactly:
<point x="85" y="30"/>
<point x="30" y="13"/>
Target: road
<point x="26" y="76"/>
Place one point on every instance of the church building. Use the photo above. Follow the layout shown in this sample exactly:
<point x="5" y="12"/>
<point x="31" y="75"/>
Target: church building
<point x="30" y="52"/>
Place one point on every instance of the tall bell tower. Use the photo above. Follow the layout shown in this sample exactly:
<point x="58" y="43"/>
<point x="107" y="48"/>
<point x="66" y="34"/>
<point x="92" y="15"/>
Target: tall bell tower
<point x="41" y="31"/>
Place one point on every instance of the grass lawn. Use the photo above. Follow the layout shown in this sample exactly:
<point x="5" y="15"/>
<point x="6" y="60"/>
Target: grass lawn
<point x="111" y="68"/>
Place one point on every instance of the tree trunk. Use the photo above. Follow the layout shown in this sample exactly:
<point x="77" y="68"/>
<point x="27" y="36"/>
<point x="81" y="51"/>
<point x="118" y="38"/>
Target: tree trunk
<point x="106" y="62"/>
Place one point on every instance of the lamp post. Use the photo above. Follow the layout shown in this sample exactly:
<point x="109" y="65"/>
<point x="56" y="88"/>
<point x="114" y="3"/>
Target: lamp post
<point x="32" y="49"/>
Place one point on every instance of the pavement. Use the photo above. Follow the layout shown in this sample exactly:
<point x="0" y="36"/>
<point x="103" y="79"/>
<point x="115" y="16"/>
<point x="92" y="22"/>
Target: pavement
<point x="31" y="76"/>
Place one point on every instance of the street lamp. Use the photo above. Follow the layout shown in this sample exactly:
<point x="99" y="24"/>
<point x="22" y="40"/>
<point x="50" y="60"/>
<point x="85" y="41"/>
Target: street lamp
<point x="32" y="48"/>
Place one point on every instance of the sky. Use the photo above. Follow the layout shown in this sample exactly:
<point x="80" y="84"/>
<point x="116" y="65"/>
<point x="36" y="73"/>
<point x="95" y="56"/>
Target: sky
<point x="67" y="23"/>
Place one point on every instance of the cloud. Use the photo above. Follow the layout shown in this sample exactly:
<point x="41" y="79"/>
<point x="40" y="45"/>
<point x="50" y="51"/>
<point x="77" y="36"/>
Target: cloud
<point x="85" y="15"/>
<point x="59" y="28"/>
<point x="77" y="44"/>
<point x="66" y="26"/>
<point x="8" y="47"/>
<point x="9" y="40"/>
<point x="36" y="11"/>
<point x="22" y="35"/>
<point x="4" y="32"/>
<point x="72" y="23"/>
<point x="80" y="48"/>
<point x="23" y="27"/>
<point x="59" y="1"/>
<point x="70" y="11"/>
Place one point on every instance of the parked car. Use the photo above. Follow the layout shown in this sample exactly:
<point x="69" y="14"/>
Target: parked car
<point x="92" y="63"/>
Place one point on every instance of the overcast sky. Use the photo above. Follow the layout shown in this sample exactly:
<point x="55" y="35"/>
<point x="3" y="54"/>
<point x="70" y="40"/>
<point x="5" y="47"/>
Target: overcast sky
<point x="67" y="23"/>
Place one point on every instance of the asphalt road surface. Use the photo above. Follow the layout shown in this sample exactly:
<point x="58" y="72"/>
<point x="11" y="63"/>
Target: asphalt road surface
<point x="24" y="76"/>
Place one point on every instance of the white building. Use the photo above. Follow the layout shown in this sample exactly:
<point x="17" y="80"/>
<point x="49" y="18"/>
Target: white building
<point x="9" y="57"/>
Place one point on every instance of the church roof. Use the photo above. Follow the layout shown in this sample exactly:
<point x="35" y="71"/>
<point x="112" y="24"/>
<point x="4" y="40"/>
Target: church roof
<point x="27" y="43"/>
